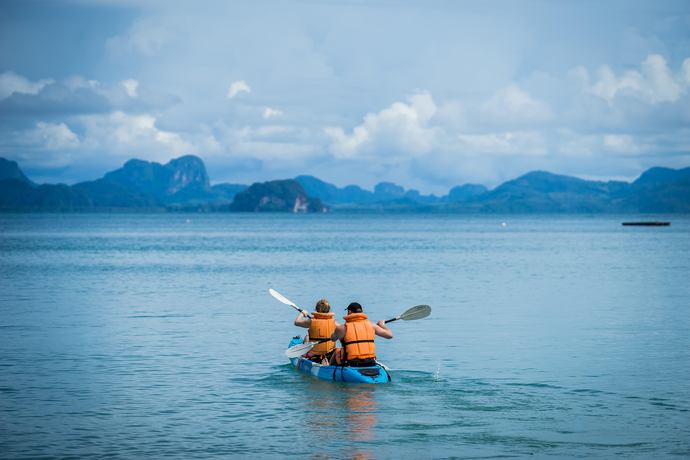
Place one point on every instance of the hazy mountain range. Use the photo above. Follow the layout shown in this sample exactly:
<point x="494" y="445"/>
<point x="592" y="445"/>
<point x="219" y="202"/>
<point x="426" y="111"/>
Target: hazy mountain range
<point x="183" y="185"/>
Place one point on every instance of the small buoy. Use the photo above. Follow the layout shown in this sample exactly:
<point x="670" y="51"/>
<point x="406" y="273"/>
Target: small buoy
<point x="503" y="224"/>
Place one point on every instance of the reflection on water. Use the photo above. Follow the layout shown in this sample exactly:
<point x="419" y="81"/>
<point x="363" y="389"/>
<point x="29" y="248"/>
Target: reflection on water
<point x="321" y="418"/>
<point x="360" y="417"/>
<point x="342" y="411"/>
<point x="360" y="412"/>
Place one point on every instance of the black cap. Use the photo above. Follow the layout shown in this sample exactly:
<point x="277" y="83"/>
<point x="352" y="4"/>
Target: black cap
<point x="354" y="307"/>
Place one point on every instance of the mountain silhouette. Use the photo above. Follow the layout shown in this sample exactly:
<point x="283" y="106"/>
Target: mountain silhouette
<point x="183" y="184"/>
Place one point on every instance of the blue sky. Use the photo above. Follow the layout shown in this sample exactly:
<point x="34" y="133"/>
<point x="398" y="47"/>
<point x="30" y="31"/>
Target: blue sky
<point x="427" y="94"/>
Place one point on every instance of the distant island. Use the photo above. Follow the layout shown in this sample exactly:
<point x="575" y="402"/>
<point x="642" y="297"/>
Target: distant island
<point x="183" y="185"/>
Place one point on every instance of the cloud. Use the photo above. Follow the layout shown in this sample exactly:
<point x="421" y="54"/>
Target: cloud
<point x="514" y="104"/>
<point x="126" y="134"/>
<point x="621" y="143"/>
<point x="11" y="83"/>
<point x="610" y="147"/>
<point x="76" y="95"/>
<point x="49" y="136"/>
<point x="237" y="87"/>
<point x="72" y="95"/>
<point x="653" y="83"/>
<point x="76" y="82"/>
<point x="649" y="145"/>
<point x="403" y="128"/>
<point x="661" y="85"/>
<point x="130" y="86"/>
<point x="270" y="113"/>
<point x="280" y="143"/>
<point x="505" y="143"/>
<point x="55" y="99"/>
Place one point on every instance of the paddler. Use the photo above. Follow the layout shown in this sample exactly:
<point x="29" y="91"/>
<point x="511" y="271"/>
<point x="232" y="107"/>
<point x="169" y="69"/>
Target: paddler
<point x="357" y="337"/>
<point x="321" y="326"/>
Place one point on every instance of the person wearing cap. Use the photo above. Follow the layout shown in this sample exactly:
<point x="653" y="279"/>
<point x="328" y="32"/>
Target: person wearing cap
<point x="321" y="327"/>
<point x="357" y="337"/>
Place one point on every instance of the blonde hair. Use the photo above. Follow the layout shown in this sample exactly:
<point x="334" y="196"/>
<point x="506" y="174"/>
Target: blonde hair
<point x="322" y="306"/>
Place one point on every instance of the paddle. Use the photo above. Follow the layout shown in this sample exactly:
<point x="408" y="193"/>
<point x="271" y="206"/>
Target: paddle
<point x="302" y="349"/>
<point x="281" y="298"/>
<point x="416" y="312"/>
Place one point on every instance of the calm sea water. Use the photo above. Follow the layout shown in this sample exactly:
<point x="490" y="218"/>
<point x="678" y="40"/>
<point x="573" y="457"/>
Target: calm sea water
<point x="154" y="336"/>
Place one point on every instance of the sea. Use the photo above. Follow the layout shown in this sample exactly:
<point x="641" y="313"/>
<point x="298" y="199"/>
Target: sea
<point x="154" y="336"/>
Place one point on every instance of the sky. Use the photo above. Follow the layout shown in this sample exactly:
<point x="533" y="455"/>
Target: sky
<point x="427" y="94"/>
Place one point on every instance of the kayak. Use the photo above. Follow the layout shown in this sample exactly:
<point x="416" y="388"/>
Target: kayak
<point x="370" y="374"/>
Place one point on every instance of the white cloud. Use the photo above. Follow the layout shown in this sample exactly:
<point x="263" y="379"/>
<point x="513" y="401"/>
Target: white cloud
<point x="620" y="143"/>
<point x="269" y="130"/>
<point x="237" y="87"/>
<point x="285" y="151"/>
<point x="280" y="143"/>
<point x="77" y="82"/>
<point x="11" y="83"/>
<point x="607" y="86"/>
<point x="402" y="127"/>
<point x="130" y="86"/>
<point x="452" y="115"/>
<point x="654" y="82"/>
<point x="650" y="144"/>
<point x="270" y="112"/>
<point x="52" y="136"/>
<point x="513" y="103"/>
<point x="505" y="143"/>
<point x="127" y="134"/>
<point x="661" y="84"/>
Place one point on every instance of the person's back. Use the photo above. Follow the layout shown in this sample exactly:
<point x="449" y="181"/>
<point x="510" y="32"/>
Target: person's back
<point x="321" y="327"/>
<point x="357" y="337"/>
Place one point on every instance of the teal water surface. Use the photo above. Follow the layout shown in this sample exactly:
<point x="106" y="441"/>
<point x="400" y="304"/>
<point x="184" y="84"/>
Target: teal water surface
<point x="133" y="336"/>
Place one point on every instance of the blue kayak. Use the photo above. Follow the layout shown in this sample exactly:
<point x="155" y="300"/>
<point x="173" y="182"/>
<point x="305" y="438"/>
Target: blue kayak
<point x="370" y="374"/>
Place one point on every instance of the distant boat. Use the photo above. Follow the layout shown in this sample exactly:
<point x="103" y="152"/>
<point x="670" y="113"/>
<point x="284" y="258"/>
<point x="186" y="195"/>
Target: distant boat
<point x="649" y="223"/>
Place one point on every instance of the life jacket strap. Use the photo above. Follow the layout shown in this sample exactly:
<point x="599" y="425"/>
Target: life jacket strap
<point x="357" y="341"/>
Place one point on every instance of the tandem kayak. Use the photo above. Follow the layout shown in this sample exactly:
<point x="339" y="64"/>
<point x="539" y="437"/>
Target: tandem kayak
<point x="370" y="374"/>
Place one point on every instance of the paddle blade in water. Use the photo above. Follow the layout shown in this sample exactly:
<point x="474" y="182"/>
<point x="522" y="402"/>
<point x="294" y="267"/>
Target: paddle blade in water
<point x="417" y="312"/>
<point x="299" y="350"/>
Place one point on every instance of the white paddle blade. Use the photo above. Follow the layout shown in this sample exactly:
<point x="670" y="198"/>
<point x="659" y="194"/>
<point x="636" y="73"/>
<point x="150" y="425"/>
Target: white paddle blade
<point x="416" y="312"/>
<point x="299" y="350"/>
<point x="281" y="298"/>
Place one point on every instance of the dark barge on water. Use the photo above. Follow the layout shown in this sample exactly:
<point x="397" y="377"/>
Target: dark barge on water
<point x="648" y="224"/>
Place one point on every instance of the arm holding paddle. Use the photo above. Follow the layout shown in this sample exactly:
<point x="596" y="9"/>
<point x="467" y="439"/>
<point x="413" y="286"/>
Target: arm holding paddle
<point x="382" y="330"/>
<point x="303" y="320"/>
<point x="281" y="298"/>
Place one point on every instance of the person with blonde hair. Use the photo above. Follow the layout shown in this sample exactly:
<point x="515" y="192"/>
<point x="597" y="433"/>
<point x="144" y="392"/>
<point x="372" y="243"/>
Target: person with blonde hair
<point x="321" y="326"/>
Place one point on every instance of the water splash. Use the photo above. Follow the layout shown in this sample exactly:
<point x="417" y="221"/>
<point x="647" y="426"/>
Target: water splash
<point x="437" y="374"/>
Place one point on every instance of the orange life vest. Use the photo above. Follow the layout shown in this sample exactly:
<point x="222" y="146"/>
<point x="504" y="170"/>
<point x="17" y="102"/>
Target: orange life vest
<point x="359" y="337"/>
<point x="322" y="327"/>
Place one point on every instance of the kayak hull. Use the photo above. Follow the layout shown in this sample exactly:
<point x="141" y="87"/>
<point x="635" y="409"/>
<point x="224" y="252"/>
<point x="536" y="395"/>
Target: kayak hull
<point x="371" y="374"/>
